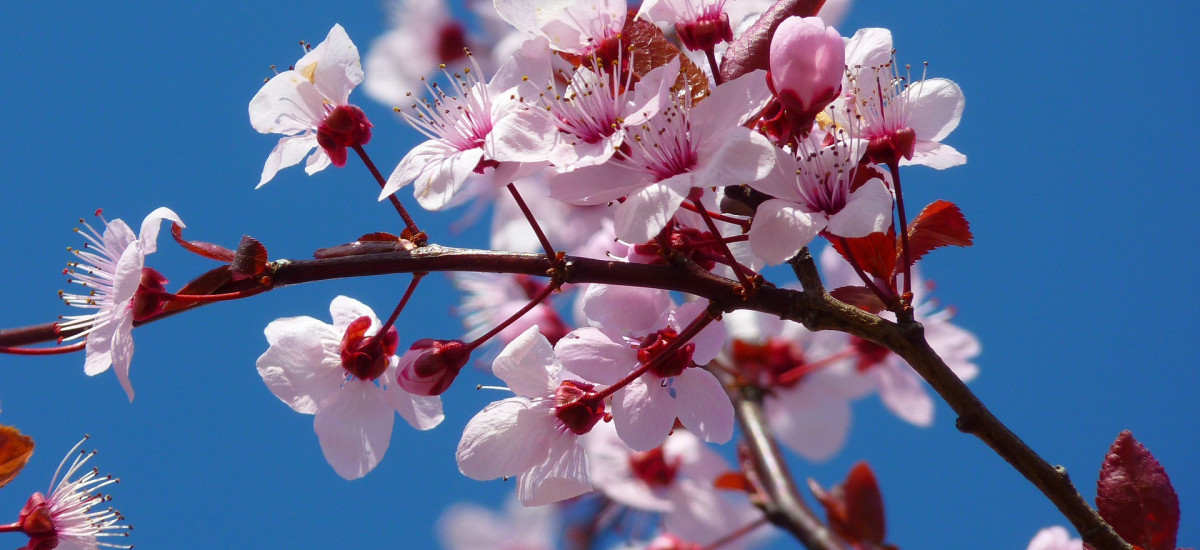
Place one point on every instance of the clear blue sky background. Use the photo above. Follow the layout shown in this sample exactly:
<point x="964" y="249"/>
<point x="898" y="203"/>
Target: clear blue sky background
<point x="1079" y="130"/>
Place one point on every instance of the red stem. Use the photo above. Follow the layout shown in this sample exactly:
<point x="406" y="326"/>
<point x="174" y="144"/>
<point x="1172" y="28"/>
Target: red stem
<point x="551" y="256"/>
<point x="550" y="288"/>
<point x="687" y="334"/>
<point x="44" y="351"/>
<point x="733" y="263"/>
<point x="894" y="168"/>
<point x="744" y="224"/>
<point x="391" y="320"/>
<point x="408" y="221"/>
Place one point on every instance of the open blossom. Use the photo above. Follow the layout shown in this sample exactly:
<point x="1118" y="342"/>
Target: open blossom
<point x="818" y="189"/>
<point x="572" y="26"/>
<point x="309" y="106"/>
<point x="632" y="327"/>
<point x="477" y="127"/>
<point x="904" y="121"/>
<point x="347" y="379"/>
<point x="68" y="518"/>
<point x="535" y="435"/>
<point x="684" y="147"/>
<point x="112" y="267"/>
<point x="700" y="24"/>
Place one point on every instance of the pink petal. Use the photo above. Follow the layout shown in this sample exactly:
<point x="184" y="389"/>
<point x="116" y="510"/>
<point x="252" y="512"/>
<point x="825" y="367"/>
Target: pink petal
<point x="593" y="185"/>
<point x="122" y="351"/>
<point x="148" y="236"/>
<point x="288" y="152"/>
<point x="301" y="366"/>
<point x="809" y="419"/>
<point x="703" y="407"/>
<point x="645" y="212"/>
<point x="287" y="104"/>
<point x="504" y="439"/>
<point x="627" y="309"/>
<point x="935" y="155"/>
<point x="318" y="161"/>
<point x="443" y="177"/>
<point x="869" y="209"/>
<point x="98" y="348"/>
<point x="869" y="48"/>
<point x="781" y="229"/>
<point x="644" y="413"/>
<point x="525" y="364"/>
<point x="903" y="392"/>
<point x="355" y="428"/>
<point x="338" y="69"/>
<point x="344" y="310"/>
<point x="709" y="340"/>
<point x="596" y="355"/>
<point x="733" y="156"/>
<point x="563" y="475"/>
<point x="935" y="106"/>
<point x="422" y="413"/>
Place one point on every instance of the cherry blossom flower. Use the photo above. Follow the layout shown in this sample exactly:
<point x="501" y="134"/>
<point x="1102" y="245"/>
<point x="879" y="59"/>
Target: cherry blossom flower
<point x="112" y="267"/>
<point x="675" y="479"/>
<point x="700" y="24"/>
<point x="477" y="127"/>
<point x="812" y="193"/>
<point x="572" y="26"/>
<point x="470" y="527"/>
<point x="68" y="519"/>
<point x="336" y="373"/>
<point x="904" y="121"/>
<point x="423" y="36"/>
<point x="309" y="106"/>
<point x="535" y="435"/>
<point x="685" y="147"/>
<point x="631" y="326"/>
<point x="899" y="386"/>
<point x="1054" y="538"/>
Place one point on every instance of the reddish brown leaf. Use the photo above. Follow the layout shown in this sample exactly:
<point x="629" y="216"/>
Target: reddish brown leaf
<point x="875" y="253"/>
<point x="734" y="481"/>
<point x="1135" y="496"/>
<point x="860" y="297"/>
<point x="15" y="450"/>
<point x="854" y="507"/>
<point x="207" y="250"/>
<point x="206" y="284"/>
<point x="939" y="224"/>
<point x="382" y="236"/>
<point x="251" y="259"/>
<point x="749" y="51"/>
<point x="647" y="47"/>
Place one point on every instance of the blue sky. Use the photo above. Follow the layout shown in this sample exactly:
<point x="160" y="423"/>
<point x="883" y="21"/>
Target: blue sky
<point x="1079" y="132"/>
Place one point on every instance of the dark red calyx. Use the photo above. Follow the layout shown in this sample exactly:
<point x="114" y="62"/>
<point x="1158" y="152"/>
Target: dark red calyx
<point x="891" y="147"/>
<point x="344" y="126"/>
<point x="768" y="362"/>
<point x="652" y="467"/>
<point x="869" y="353"/>
<point x="705" y="33"/>
<point x="366" y="357"/>
<point x="451" y="43"/>
<point x="37" y="522"/>
<point x="150" y="296"/>
<point x="801" y="116"/>
<point x="430" y="366"/>
<point x="577" y="406"/>
<point x="699" y="246"/>
<point x="655" y="344"/>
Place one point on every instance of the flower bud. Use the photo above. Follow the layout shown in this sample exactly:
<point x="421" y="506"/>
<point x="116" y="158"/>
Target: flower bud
<point x="37" y="522"/>
<point x="430" y="366"/>
<point x="367" y="357"/>
<point x="807" y="61"/>
<point x="344" y="126"/>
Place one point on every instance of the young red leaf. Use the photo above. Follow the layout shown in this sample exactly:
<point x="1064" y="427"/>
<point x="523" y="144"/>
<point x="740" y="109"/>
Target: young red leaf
<point x="208" y="250"/>
<point x="734" y="481"/>
<point x="875" y="253"/>
<point x="860" y="297"/>
<point x="939" y="224"/>
<point x="382" y="236"/>
<point x="15" y="450"/>
<point x="1135" y="496"/>
<point x="854" y="507"/>
<point x="251" y="259"/>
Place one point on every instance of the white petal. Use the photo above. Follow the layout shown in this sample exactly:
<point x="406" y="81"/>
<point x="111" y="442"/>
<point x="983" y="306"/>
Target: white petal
<point x="318" y="161"/>
<point x="628" y="309"/>
<point x="735" y="156"/>
<point x="355" y="428"/>
<point x="336" y="66"/>
<point x="443" y="177"/>
<point x="810" y="420"/>
<point x="421" y="412"/>
<point x="935" y="155"/>
<point x="868" y="210"/>
<point x="148" y="236"/>
<point x="526" y="363"/>
<point x="122" y="351"/>
<point x="98" y="348"/>
<point x="344" y="310"/>
<point x="563" y="475"/>
<point x="780" y="229"/>
<point x="504" y="439"/>
<point x="935" y="107"/>
<point x="288" y="152"/>
<point x="593" y="185"/>
<point x="709" y="340"/>
<point x="644" y="412"/>
<point x="301" y="366"/>
<point x="703" y="406"/>
<point x="596" y="355"/>
<point x="519" y="135"/>
<point x="646" y="212"/>
<point x="731" y="103"/>
<point x="127" y="275"/>
<point x="903" y="392"/>
<point x="287" y="104"/>
<point x="869" y="48"/>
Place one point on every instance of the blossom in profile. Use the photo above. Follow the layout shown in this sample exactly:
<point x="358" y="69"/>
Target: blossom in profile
<point x="309" y="105"/>
<point x="69" y="519"/>
<point x="700" y="24"/>
<point x="111" y="267"/>
<point x="347" y="378"/>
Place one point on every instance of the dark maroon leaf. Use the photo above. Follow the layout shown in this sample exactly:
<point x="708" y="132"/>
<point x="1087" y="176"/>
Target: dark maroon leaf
<point x="1135" y="496"/>
<point x="939" y="224"/>
<point x="854" y="507"/>
<point x="860" y="297"/>
<point x="208" y="250"/>
<point x="875" y="253"/>
<point x="750" y="50"/>
<point x="251" y="259"/>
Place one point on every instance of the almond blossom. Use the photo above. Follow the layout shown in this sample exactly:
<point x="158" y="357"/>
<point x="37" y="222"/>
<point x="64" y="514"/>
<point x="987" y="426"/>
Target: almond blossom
<point x="535" y="435"/>
<point x="474" y="128"/>
<point x="112" y="267"/>
<point x="905" y="122"/>
<point x="631" y="328"/>
<point x="347" y="379"/>
<point x="687" y="146"/>
<point x="309" y="106"/>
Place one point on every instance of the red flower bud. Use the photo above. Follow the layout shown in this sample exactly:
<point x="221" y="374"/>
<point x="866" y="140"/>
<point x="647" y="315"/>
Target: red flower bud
<point x="430" y="366"/>
<point x="344" y="126"/>
<point x="35" y="520"/>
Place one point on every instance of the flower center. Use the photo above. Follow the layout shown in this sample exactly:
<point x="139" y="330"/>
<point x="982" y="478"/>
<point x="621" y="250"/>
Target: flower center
<point x="653" y="346"/>
<point x="366" y="357"/>
<point x="577" y="406"/>
<point x="770" y="361"/>
<point x="653" y="468"/>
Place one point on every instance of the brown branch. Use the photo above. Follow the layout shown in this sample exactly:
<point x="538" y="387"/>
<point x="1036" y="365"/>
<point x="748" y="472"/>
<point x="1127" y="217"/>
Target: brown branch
<point x="817" y="311"/>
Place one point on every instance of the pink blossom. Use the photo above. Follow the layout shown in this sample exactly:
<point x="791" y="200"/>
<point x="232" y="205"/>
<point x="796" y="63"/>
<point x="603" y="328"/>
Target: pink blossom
<point x="701" y="24"/>
<point x="112" y="267"/>
<point x="423" y="35"/>
<point x="632" y="326"/>
<point x="807" y="61"/>
<point x="334" y="372"/>
<point x="1054" y="538"/>
<point x="534" y="435"/>
<point x="573" y="26"/>
<point x="904" y="121"/>
<point x="68" y="518"/>
<point x="297" y="102"/>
